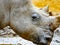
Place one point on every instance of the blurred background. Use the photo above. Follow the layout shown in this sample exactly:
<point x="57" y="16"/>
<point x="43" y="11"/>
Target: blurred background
<point x="54" y="5"/>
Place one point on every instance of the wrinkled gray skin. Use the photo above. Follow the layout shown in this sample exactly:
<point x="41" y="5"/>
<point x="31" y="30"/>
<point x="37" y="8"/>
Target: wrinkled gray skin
<point x="27" y="21"/>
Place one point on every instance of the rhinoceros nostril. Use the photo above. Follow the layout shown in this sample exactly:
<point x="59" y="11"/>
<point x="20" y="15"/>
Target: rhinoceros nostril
<point x="48" y="39"/>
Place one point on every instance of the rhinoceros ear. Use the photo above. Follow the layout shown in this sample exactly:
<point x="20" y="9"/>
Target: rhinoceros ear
<point x="46" y="8"/>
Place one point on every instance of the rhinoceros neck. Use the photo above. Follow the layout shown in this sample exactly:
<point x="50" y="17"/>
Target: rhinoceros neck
<point x="20" y="16"/>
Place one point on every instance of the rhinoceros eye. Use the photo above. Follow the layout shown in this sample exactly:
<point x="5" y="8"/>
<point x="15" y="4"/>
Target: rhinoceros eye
<point x="35" y="16"/>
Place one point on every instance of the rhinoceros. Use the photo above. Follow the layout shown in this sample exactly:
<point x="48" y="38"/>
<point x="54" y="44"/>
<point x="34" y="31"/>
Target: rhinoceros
<point x="27" y="21"/>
